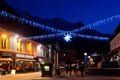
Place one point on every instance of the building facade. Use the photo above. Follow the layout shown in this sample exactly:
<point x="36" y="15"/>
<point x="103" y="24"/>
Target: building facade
<point x="115" y="49"/>
<point x="17" y="52"/>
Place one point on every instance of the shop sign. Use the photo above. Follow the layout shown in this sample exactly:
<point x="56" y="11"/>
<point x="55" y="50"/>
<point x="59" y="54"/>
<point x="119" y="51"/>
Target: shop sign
<point x="23" y="56"/>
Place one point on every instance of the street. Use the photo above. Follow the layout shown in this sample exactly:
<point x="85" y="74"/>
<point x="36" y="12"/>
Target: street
<point x="37" y="76"/>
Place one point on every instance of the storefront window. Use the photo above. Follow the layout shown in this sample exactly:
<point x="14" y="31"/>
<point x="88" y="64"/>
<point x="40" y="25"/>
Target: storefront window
<point x="19" y="65"/>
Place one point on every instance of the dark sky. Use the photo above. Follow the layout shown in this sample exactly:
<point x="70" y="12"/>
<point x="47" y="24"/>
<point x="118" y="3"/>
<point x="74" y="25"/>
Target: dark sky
<point x="86" y="11"/>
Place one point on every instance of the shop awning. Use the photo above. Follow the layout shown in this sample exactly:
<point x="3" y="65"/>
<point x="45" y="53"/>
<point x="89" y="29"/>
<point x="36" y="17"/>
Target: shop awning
<point x="25" y="60"/>
<point x="5" y="59"/>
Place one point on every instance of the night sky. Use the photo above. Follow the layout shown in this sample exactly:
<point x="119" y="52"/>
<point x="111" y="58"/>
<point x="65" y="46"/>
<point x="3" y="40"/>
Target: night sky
<point x="86" y="11"/>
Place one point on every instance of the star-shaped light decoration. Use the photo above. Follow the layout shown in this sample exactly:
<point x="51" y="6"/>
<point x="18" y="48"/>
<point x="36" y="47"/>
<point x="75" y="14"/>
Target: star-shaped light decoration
<point x="67" y="38"/>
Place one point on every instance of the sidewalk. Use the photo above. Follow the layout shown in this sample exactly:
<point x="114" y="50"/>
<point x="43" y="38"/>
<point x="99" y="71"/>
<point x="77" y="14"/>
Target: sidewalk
<point x="73" y="76"/>
<point x="64" y="76"/>
<point x="9" y="74"/>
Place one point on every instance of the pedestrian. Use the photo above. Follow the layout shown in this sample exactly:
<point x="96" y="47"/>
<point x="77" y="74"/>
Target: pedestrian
<point x="58" y="71"/>
<point x="82" y="70"/>
<point x="70" y="69"/>
<point x="3" y="71"/>
<point x="77" y="68"/>
<point x="66" y="68"/>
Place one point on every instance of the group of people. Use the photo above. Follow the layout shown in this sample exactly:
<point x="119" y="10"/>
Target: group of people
<point x="78" y="67"/>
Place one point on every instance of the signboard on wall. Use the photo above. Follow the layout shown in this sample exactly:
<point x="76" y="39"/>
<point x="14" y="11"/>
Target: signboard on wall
<point x="24" y="56"/>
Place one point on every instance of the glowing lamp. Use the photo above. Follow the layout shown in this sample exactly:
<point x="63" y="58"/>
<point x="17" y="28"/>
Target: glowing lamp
<point x="85" y="54"/>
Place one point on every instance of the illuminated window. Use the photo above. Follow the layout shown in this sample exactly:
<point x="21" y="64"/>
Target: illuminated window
<point x="4" y="41"/>
<point x="29" y="47"/>
<point x="19" y="45"/>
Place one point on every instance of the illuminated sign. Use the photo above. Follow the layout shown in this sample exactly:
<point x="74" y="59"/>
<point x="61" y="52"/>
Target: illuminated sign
<point x="46" y="68"/>
<point x="23" y="56"/>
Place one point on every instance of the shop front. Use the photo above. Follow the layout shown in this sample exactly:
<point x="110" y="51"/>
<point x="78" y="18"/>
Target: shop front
<point x="6" y="61"/>
<point x="24" y="63"/>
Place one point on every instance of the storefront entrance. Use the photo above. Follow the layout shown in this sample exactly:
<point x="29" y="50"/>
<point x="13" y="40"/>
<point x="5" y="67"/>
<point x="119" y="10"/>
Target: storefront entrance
<point x="6" y="63"/>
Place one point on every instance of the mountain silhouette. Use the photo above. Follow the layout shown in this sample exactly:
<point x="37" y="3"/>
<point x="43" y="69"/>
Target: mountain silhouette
<point x="6" y="7"/>
<point x="57" y="23"/>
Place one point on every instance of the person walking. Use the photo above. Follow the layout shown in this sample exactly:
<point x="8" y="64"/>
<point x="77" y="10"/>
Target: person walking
<point x="77" y="68"/>
<point x="58" y="71"/>
<point x="70" y="69"/>
<point x="66" y="68"/>
<point x="82" y="70"/>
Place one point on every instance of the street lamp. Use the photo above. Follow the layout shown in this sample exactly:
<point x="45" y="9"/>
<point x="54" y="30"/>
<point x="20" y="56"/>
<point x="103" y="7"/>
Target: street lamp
<point x="85" y="54"/>
<point x="85" y="59"/>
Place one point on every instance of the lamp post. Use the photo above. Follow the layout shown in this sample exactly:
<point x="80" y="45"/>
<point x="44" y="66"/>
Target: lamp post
<point x="85" y="59"/>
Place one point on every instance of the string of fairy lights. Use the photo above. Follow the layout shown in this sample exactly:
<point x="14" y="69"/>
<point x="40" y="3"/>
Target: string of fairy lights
<point x="57" y="32"/>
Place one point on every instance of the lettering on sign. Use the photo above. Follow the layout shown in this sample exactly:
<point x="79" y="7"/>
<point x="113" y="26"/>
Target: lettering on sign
<point x="23" y="56"/>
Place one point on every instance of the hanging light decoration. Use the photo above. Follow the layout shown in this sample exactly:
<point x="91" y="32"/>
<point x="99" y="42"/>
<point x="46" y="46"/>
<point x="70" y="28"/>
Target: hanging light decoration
<point x="59" y="32"/>
<point x="67" y="37"/>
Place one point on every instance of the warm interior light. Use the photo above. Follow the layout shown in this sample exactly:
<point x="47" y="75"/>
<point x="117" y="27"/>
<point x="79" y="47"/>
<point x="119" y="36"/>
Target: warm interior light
<point x="16" y="36"/>
<point x="29" y="47"/>
<point x="18" y="45"/>
<point x="4" y="36"/>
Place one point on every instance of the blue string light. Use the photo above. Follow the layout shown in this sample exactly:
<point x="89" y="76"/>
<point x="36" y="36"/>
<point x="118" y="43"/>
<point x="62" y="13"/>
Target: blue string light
<point x="36" y="24"/>
<point x="69" y="36"/>
<point x="29" y="22"/>
<point x="98" y="23"/>
<point x="59" y="32"/>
